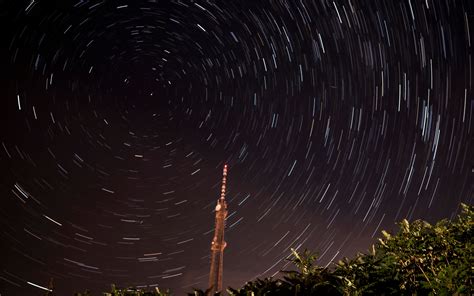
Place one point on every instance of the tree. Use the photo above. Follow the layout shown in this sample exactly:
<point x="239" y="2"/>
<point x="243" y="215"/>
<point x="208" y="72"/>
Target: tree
<point x="421" y="259"/>
<point x="135" y="292"/>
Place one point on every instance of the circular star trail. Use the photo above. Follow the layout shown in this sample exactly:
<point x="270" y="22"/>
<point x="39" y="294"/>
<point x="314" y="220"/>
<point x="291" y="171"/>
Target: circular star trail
<point x="336" y="118"/>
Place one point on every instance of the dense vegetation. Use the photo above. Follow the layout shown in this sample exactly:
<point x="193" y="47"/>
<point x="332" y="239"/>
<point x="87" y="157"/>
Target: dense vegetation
<point x="421" y="259"/>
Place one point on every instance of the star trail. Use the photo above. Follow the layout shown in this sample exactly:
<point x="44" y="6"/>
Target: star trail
<point x="336" y="118"/>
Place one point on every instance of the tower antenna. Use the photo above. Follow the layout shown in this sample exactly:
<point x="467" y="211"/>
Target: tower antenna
<point x="218" y="244"/>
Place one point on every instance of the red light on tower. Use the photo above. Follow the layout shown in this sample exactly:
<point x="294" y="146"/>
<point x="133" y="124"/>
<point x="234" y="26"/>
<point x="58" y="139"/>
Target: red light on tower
<point x="224" y="181"/>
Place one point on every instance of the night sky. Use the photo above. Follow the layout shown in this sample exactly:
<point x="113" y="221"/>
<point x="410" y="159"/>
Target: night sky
<point x="336" y="118"/>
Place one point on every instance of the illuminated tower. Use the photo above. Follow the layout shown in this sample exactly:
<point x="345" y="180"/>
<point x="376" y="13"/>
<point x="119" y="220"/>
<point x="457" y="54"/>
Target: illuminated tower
<point x="218" y="244"/>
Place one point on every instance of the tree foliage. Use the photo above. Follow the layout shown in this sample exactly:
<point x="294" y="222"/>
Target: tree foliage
<point x="114" y="291"/>
<point x="420" y="259"/>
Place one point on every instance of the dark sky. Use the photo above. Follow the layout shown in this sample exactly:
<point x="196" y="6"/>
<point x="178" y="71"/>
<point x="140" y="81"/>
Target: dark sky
<point x="337" y="119"/>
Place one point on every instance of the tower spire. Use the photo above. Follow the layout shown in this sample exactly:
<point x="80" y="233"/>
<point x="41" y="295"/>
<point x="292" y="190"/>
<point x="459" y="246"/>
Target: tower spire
<point x="218" y="244"/>
<point x="224" y="181"/>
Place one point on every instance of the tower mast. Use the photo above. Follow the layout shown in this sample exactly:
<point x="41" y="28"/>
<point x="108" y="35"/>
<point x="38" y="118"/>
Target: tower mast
<point x="218" y="244"/>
